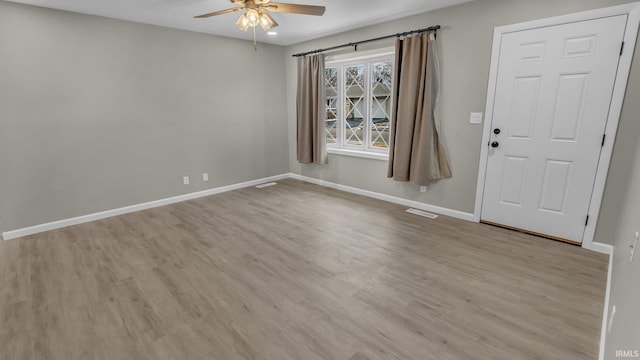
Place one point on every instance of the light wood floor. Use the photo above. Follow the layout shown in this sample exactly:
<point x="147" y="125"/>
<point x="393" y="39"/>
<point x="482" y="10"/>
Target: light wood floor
<point x="296" y="272"/>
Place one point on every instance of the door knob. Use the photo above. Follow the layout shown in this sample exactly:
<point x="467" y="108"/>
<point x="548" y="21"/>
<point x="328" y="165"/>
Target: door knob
<point x="495" y="144"/>
<point x="496" y="131"/>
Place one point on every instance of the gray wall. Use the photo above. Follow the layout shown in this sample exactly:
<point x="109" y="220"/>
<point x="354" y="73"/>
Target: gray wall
<point x="620" y="221"/>
<point x="625" y="290"/>
<point x="465" y="51"/>
<point x="97" y="114"/>
<point x="625" y="285"/>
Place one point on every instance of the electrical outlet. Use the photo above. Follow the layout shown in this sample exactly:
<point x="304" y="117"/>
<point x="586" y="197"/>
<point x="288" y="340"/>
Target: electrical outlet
<point x="205" y="176"/>
<point x="423" y="189"/>
<point x="633" y="247"/>
<point x="475" y="118"/>
<point x="185" y="180"/>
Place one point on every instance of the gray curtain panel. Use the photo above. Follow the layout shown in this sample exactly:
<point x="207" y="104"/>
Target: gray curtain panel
<point x="416" y="153"/>
<point x="310" y="110"/>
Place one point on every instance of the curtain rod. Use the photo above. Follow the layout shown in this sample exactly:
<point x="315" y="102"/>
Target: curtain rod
<point x="355" y="44"/>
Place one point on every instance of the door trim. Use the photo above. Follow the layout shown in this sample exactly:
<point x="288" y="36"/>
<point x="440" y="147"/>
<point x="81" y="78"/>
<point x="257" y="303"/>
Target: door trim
<point x="619" y="89"/>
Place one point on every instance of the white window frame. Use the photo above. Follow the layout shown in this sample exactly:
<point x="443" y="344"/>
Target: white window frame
<point x="366" y="150"/>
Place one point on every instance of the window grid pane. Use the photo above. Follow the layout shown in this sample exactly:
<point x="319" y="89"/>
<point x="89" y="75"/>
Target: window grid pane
<point x="355" y="104"/>
<point x="331" y="119"/>
<point x="381" y="91"/>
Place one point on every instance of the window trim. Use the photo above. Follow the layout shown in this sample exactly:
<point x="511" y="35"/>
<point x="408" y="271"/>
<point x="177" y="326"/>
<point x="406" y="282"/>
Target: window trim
<point x="358" y="153"/>
<point x="340" y="63"/>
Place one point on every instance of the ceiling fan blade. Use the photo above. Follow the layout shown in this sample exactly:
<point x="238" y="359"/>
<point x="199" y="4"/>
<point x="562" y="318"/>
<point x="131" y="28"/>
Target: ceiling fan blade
<point x="295" y="8"/>
<point x="219" y="12"/>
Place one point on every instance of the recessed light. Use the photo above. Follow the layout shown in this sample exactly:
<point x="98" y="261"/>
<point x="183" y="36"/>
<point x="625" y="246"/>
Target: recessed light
<point x="272" y="33"/>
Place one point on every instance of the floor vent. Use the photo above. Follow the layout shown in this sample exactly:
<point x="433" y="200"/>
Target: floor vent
<point x="422" y="213"/>
<point x="262" y="186"/>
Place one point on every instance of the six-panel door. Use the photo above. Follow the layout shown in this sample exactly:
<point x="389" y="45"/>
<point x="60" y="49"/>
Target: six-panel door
<point x="552" y="99"/>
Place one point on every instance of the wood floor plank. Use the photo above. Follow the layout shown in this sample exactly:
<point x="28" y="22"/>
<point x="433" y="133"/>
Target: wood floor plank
<point x="16" y="332"/>
<point x="296" y="271"/>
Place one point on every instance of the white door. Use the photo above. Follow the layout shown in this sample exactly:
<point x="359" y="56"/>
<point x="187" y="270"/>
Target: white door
<point x="552" y="97"/>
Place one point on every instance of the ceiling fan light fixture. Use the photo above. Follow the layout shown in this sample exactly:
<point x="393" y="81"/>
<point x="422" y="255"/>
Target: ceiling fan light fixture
<point x="256" y="12"/>
<point x="266" y="21"/>
<point x="253" y="17"/>
<point x="243" y="22"/>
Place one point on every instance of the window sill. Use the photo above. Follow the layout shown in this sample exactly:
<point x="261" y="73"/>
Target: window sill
<point x="358" y="153"/>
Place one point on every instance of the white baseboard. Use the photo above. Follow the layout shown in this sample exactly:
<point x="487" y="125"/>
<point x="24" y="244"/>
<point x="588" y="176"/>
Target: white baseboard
<point x="601" y="248"/>
<point x="605" y="249"/>
<point x="389" y="198"/>
<point x="13" y="234"/>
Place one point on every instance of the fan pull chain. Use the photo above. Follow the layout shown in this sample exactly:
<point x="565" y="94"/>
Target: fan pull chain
<point x="255" y="44"/>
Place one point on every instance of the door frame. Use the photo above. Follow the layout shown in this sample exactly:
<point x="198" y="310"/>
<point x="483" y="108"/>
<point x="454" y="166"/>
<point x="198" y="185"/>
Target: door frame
<point x="619" y="89"/>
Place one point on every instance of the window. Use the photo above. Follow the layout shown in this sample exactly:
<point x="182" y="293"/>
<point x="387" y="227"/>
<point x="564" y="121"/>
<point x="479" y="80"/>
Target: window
<point x="358" y="104"/>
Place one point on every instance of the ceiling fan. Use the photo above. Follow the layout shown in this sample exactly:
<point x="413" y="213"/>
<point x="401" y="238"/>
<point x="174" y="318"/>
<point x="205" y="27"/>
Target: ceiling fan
<point x="256" y="12"/>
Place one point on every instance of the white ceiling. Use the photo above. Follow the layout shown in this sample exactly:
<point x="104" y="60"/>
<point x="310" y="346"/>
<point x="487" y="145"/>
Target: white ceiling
<point x="341" y="15"/>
